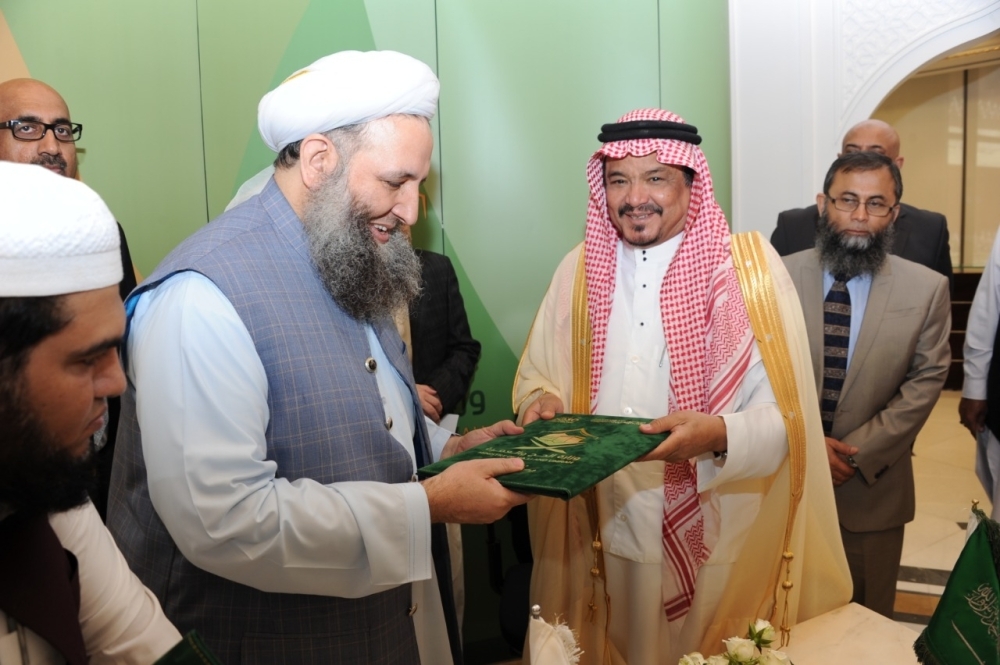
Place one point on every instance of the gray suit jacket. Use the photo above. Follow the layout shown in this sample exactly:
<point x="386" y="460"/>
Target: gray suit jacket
<point x="900" y="362"/>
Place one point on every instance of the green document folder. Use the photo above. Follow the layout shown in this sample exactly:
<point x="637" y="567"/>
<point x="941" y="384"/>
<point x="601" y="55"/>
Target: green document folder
<point x="565" y="455"/>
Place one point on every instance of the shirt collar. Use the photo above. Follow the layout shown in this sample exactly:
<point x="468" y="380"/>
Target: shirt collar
<point x="657" y="257"/>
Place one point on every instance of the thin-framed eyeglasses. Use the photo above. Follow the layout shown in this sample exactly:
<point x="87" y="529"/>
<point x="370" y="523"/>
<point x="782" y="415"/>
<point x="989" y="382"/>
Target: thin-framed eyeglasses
<point x="875" y="207"/>
<point x="31" y="130"/>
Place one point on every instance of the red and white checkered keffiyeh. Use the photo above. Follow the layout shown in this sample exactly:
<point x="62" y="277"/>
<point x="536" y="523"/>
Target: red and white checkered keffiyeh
<point x="705" y="321"/>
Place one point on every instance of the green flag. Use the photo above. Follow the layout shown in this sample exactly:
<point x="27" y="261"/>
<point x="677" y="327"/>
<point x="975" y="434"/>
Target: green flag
<point x="189" y="651"/>
<point x="965" y="627"/>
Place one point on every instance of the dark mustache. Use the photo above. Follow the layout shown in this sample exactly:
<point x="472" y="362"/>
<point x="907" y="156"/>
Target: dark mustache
<point x="51" y="160"/>
<point x="645" y="208"/>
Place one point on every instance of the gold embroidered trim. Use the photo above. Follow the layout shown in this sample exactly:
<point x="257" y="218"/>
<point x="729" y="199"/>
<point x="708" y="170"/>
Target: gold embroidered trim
<point x="581" y="339"/>
<point x="581" y="404"/>
<point x="750" y="262"/>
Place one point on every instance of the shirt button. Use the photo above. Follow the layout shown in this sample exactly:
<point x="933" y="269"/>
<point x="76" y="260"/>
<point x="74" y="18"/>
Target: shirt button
<point x="370" y="365"/>
<point x="388" y="422"/>
<point x="627" y="410"/>
<point x="635" y="359"/>
<point x="623" y="517"/>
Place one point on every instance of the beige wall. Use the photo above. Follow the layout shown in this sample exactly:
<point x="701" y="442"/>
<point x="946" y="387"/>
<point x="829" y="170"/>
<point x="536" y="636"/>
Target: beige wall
<point x="948" y="132"/>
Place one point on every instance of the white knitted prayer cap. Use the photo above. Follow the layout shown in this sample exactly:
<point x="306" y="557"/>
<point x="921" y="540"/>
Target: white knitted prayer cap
<point x="56" y="235"/>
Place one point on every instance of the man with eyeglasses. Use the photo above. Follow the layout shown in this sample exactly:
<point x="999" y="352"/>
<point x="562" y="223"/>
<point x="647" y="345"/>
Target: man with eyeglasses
<point x="35" y="128"/>
<point x="920" y="235"/>
<point x="878" y="330"/>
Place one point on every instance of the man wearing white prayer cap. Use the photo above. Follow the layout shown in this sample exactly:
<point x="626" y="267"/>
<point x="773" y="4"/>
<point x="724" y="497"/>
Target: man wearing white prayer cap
<point x="271" y="429"/>
<point x="66" y="592"/>
<point x="35" y="128"/>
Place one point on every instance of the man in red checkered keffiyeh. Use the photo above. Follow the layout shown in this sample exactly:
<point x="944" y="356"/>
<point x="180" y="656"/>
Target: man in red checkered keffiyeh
<point x="670" y="339"/>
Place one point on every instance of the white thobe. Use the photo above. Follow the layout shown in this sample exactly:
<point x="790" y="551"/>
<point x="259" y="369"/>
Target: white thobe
<point x="980" y="333"/>
<point x="201" y="403"/>
<point x="120" y="619"/>
<point x="635" y="382"/>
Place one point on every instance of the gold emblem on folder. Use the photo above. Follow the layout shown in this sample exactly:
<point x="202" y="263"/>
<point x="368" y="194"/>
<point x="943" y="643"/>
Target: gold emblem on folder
<point x="558" y="442"/>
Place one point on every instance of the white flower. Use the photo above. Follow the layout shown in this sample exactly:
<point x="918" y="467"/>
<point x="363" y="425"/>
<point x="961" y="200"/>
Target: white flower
<point x="717" y="660"/>
<point x="774" y="657"/>
<point x="692" y="659"/>
<point x="740" y="648"/>
<point x="764" y="630"/>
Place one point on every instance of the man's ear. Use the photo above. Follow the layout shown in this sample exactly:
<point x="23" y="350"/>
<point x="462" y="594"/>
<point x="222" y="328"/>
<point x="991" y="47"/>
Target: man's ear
<point x="317" y="159"/>
<point x="899" y="162"/>
<point x="821" y="203"/>
<point x="895" y="214"/>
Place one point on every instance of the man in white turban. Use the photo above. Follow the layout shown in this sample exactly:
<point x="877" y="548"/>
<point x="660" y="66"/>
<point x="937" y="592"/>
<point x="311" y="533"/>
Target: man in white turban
<point x="66" y="592"/>
<point x="272" y="429"/>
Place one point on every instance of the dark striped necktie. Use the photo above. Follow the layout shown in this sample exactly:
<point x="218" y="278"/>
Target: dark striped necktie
<point x="836" y="335"/>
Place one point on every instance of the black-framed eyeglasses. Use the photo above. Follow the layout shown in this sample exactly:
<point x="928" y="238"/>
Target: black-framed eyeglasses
<point x="30" y="130"/>
<point x="874" y="207"/>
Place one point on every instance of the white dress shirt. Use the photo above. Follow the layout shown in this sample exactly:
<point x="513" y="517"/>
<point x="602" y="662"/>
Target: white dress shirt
<point x="201" y="402"/>
<point x="635" y="382"/>
<point x="981" y="330"/>
<point x="980" y="333"/>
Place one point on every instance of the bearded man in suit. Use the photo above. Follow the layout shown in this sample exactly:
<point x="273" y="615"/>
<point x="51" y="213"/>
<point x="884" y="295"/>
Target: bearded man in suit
<point x="919" y="235"/>
<point x="878" y="330"/>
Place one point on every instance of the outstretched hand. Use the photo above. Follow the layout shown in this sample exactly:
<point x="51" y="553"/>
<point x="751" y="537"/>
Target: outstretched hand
<point x="469" y="493"/>
<point x="545" y="407"/>
<point x="691" y="434"/>
<point x="472" y="438"/>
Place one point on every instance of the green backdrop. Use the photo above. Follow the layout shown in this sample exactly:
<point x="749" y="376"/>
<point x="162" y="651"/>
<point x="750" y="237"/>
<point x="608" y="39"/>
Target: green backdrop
<point x="167" y="91"/>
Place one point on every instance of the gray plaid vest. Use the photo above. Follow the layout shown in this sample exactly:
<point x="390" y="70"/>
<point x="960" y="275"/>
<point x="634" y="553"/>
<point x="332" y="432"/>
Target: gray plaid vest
<point x="326" y="423"/>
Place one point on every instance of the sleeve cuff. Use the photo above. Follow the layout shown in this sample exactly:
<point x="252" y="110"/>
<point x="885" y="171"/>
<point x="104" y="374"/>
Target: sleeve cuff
<point x="756" y="447"/>
<point x="438" y="438"/>
<point x="418" y="513"/>
<point x="973" y="388"/>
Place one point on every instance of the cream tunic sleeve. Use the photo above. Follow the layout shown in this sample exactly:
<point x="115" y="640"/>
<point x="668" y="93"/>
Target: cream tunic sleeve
<point x="121" y="620"/>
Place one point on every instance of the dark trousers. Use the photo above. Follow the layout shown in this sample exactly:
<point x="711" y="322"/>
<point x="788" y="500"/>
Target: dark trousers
<point x="873" y="558"/>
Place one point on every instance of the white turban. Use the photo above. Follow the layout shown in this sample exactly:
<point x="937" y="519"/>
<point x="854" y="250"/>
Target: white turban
<point x="346" y="88"/>
<point x="56" y="235"/>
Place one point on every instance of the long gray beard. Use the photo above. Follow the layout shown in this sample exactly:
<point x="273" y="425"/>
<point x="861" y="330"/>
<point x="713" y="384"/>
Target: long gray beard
<point x="368" y="280"/>
<point x="852" y="256"/>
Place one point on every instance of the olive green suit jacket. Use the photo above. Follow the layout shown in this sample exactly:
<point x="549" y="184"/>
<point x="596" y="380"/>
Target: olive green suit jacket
<point x="899" y="365"/>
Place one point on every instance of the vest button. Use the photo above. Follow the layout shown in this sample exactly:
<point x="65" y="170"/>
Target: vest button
<point x="388" y="422"/>
<point x="370" y="365"/>
<point x="412" y="610"/>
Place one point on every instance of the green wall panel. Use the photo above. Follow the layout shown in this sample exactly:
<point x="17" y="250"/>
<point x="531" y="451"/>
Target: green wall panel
<point x="297" y="33"/>
<point x="694" y="80"/>
<point x="240" y="45"/>
<point x="168" y="93"/>
<point x="128" y="71"/>
<point x="524" y="92"/>
<point x="408" y="26"/>
<point x="525" y="89"/>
